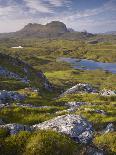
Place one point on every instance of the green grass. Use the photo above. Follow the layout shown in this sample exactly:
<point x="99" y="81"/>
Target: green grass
<point x="28" y="115"/>
<point x="107" y="142"/>
<point x="98" y="78"/>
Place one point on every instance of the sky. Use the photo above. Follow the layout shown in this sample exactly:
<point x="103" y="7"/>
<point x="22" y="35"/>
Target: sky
<point x="95" y="16"/>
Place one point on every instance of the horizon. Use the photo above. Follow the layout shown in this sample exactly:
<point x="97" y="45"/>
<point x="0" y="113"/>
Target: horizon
<point x="95" y="16"/>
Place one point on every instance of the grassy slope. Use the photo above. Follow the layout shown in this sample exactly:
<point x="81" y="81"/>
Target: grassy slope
<point x="42" y="55"/>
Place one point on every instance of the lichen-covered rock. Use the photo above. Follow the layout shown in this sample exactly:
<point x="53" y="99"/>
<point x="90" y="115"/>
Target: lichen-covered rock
<point x="6" y="73"/>
<point x="75" y="126"/>
<point x="10" y="95"/>
<point x="32" y="106"/>
<point x="15" y="128"/>
<point x="87" y="88"/>
<point x="94" y="151"/>
<point x="75" y="104"/>
<point x="109" y="128"/>
<point x="47" y="84"/>
<point x="107" y="92"/>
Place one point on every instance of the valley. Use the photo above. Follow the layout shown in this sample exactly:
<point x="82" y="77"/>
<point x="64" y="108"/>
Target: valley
<point x="51" y="103"/>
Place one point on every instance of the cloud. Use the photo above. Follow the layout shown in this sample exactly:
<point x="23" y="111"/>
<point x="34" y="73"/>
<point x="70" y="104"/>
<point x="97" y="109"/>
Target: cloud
<point x="38" y="6"/>
<point x="17" y="13"/>
<point x="59" y="3"/>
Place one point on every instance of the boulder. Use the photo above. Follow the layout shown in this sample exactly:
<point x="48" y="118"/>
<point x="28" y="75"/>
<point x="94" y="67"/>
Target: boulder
<point x="75" y="126"/>
<point x="86" y="88"/>
<point x="6" y="73"/>
<point x="75" y="104"/>
<point x="109" y="128"/>
<point x="15" y="128"/>
<point x="107" y="93"/>
<point x="10" y="95"/>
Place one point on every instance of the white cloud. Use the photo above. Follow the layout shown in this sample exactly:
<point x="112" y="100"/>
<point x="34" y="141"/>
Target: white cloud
<point x="16" y="15"/>
<point x="38" y="5"/>
<point x="59" y="3"/>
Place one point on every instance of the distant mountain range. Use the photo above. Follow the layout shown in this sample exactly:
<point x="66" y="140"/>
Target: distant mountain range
<point x="111" y="32"/>
<point x="55" y="29"/>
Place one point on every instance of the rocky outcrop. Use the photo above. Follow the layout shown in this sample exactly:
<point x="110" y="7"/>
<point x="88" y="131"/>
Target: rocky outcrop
<point x="80" y="88"/>
<point x="107" y="92"/>
<point x="10" y="96"/>
<point x="94" y="151"/>
<point x="109" y="128"/>
<point x="4" y="72"/>
<point x="15" y="128"/>
<point x="32" y="106"/>
<point x="47" y="84"/>
<point x="75" y="126"/>
<point x="99" y="111"/>
<point x="75" y="104"/>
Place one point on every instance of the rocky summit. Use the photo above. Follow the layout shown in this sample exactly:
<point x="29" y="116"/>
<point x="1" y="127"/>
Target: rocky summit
<point x="75" y="126"/>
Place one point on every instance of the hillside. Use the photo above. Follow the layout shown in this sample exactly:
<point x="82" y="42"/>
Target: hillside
<point x="17" y="73"/>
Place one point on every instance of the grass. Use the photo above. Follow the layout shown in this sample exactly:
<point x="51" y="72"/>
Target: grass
<point x="107" y="142"/>
<point x="28" y="115"/>
<point x="97" y="78"/>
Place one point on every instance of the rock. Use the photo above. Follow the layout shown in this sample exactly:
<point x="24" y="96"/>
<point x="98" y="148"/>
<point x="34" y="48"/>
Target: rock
<point x="75" y="126"/>
<point x="109" y="128"/>
<point x="100" y="112"/>
<point x="32" y="106"/>
<point x="10" y="95"/>
<point x="1" y="122"/>
<point x="75" y="104"/>
<point x="86" y="88"/>
<point x="4" y="105"/>
<point x="32" y="89"/>
<point x="47" y="84"/>
<point x="107" y="92"/>
<point x="16" y="128"/>
<point x="4" y="72"/>
<point x="94" y="151"/>
<point x="95" y="111"/>
<point x="66" y="111"/>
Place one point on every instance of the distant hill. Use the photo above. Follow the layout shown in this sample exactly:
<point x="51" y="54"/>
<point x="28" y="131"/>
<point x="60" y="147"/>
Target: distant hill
<point x="111" y="32"/>
<point x="55" y="29"/>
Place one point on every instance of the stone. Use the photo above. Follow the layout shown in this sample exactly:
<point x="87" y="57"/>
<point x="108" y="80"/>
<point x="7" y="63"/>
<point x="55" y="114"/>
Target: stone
<point x="16" y="128"/>
<point x="107" y="92"/>
<point x="75" y="126"/>
<point x="6" y="73"/>
<point x="81" y="87"/>
<point x="70" y="110"/>
<point x="94" y="151"/>
<point x="10" y="95"/>
<point x="75" y="104"/>
<point x="47" y="84"/>
<point x="109" y="128"/>
<point x="1" y="122"/>
<point x="32" y="106"/>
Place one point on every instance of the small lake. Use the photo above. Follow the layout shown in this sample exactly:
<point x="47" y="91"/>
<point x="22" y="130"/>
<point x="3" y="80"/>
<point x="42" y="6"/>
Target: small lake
<point x="84" y="64"/>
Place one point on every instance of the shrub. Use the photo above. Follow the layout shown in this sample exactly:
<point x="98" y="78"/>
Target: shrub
<point x="106" y="142"/>
<point x="50" y="143"/>
<point x="14" y="144"/>
<point x="3" y="133"/>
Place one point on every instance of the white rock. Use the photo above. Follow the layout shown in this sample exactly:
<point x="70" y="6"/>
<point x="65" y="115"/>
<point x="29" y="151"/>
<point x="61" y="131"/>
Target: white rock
<point x="109" y="128"/>
<point x="15" y="128"/>
<point x="107" y="92"/>
<point x="81" y="87"/>
<point x="75" y="126"/>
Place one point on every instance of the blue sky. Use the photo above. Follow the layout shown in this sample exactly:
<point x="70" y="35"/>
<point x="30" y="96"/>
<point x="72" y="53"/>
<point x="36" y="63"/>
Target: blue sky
<point x="92" y="15"/>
